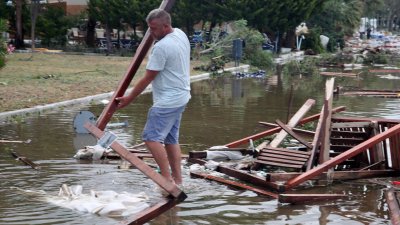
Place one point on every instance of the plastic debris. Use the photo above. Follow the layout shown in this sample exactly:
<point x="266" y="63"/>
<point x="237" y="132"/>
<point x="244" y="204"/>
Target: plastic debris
<point x="257" y="74"/>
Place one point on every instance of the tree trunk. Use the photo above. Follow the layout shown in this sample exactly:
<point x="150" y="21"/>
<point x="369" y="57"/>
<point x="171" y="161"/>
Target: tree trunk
<point x="90" y="33"/>
<point x="35" y="6"/>
<point x="19" y="38"/>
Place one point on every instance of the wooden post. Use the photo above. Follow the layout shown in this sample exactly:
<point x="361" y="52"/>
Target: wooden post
<point x="140" y="54"/>
<point x="326" y="128"/>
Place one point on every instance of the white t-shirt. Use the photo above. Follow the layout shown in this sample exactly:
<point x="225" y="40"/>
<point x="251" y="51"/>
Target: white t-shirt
<point x="171" y="57"/>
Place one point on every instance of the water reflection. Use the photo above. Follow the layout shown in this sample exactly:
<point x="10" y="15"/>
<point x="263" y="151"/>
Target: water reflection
<point x="221" y="110"/>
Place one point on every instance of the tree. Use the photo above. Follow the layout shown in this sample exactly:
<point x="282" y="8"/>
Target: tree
<point x="337" y="19"/>
<point x="52" y="26"/>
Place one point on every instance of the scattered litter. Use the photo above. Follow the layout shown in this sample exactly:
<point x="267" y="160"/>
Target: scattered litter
<point x="389" y="77"/>
<point x="224" y="155"/>
<point x="91" y="152"/>
<point x="257" y="74"/>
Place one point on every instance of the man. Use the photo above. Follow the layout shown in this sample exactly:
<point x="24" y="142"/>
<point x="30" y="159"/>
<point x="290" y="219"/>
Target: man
<point x="168" y="69"/>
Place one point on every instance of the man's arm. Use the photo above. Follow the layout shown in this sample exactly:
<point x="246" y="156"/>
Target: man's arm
<point x="137" y="89"/>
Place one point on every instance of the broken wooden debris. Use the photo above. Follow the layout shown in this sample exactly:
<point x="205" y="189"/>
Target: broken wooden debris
<point x="241" y="175"/>
<point x="277" y="129"/>
<point x="339" y="74"/>
<point x="282" y="157"/>
<point x="344" y="156"/>
<point x="25" y="160"/>
<point x="14" y="141"/>
<point x="302" y="198"/>
<point x="336" y="175"/>
<point x="373" y="93"/>
<point x="384" y="71"/>
<point x="233" y="184"/>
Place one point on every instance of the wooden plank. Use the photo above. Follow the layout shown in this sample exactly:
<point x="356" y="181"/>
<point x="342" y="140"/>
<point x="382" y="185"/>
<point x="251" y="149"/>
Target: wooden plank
<point x="242" y="175"/>
<point x="139" y="164"/>
<point x="384" y="71"/>
<point x="266" y="156"/>
<point x="351" y="124"/>
<point x="344" y="156"/>
<point x="341" y="148"/>
<point x="394" y="143"/>
<point x="292" y="123"/>
<point x="377" y="153"/>
<point x="288" y="151"/>
<point x="326" y="128"/>
<point x="280" y="164"/>
<point x="233" y="184"/>
<point x="346" y="141"/>
<point x="316" y="143"/>
<point x="339" y="74"/>
<point x="305" y="134"/>
<point x="277" y="129"/>
<point x="293" y="134"/>
<point x="355" y="134"/>
<point x="251" y="178"/>
<point x="123" y="85"/>
<point x="393" y="205"/>
<point x="272" y="158"/>
<point x="336" y="175"/>
<point x="25" y="160"/>
<point x="145" y="216"/>
<point x="302" y="198"/>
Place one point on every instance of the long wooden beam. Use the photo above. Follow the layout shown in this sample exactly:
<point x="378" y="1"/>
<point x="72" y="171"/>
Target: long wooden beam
<point x="152" y="212"/>
<point x="233" y="184"/>
<point x="336" y="175"/>
<point x="343" y="156"/>
<point x="139" y="164"/>
<point x="140" y="54"/>
<point x="277" y="129"/>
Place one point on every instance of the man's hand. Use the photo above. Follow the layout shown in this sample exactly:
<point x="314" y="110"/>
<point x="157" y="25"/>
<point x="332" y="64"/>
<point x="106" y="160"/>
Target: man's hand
<point x="123" y="101"/>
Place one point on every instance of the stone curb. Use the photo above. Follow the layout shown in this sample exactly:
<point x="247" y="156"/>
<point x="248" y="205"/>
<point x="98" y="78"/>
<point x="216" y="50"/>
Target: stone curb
<point x="88" y="99"/>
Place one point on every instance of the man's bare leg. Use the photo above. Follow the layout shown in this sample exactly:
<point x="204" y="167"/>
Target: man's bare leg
<point x="174" y="159"/>
<point x="160" y="155"/>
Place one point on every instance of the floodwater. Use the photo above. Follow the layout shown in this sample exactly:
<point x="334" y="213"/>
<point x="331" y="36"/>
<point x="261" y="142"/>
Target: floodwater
<point x="221" y="111"/>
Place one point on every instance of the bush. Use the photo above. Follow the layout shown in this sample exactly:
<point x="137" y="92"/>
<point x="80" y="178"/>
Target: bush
<point x="313" y="41"/>
<point x="261" y="59"/>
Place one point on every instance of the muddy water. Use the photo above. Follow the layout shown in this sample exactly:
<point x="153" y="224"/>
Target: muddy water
<point x="221" y="110"/>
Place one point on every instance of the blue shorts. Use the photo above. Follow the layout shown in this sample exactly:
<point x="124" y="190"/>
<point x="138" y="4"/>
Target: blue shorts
<point x="163" y="125"/>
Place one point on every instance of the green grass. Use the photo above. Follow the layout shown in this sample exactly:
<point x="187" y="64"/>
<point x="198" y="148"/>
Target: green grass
<point x="34" y="79"/>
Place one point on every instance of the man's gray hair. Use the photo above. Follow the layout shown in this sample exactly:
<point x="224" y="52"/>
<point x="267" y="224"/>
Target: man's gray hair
<point x="159" y="14"/>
